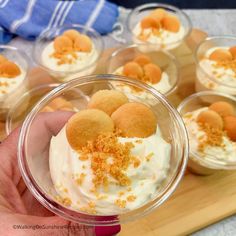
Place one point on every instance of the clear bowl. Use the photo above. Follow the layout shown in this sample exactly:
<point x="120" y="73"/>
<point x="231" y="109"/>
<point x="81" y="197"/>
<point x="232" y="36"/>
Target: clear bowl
<point x="48" y="36"/>
<point x="204" y="80"/>
<point x="208" y="164"/>
<point x="32" y="153"/>
<point x="164" y="60"/>
<point x="142" y="11"/>
<point x="24" y="105"/>
<point x="20" y="58"/>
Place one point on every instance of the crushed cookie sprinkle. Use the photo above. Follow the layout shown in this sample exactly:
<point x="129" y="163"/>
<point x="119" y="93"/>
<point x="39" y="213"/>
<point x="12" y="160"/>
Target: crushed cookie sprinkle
<point x="100" y="151"/>
<point x="214" y="137"/>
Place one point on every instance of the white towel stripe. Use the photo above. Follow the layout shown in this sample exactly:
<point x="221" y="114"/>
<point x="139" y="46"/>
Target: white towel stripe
<point x="95" y="14"/>
<point x="3" y="4"/>
<point x="26" y="17"/>
<point x="54" y="16"/>
<point x="66" y="13"/>
<point x="60" y="14"/>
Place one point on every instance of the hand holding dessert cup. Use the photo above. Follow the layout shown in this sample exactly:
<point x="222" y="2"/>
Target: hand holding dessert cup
<point x="111" y="162"/>
<point x="210" y="119"/>
<point x="158" y="69"/>
<point x="216" y="65"/>
<point x="14" y="65"/>
<point x="68" y="51"/>
<point x="157" y="26"/>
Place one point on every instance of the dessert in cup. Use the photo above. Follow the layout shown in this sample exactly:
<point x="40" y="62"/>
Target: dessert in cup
<point x="157" y="26"/>
<point x="13" y="77"/>
<point x="26" y="102"/>
<point x="156" y="68"/>
<point x="210" y="119"/>
<point x="109" y="162"/>
<point x="216" y="65"/>
<point x="68" y="50"/>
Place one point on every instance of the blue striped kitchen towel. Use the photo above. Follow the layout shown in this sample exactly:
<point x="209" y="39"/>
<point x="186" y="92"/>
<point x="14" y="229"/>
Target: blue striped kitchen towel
<point x="29" y="18"/>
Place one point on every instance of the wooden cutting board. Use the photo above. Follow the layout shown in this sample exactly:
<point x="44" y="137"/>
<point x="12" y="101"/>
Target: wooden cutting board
<point x="198" y="201"/>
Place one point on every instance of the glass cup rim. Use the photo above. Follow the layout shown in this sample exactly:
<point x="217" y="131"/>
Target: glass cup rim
<point x="22" y="54"/>
<point x="85" y="28"/>
<point x="207" y="39"/>
<point x="210" y="160"/>
<point x="165" y="6"/>
<point x="51" y="205"/>
<point x="8" y="123"/>
<point x="171" y="56"/>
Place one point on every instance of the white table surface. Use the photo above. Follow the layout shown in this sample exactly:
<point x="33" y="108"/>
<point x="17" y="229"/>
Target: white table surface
<point x="214" y="22"/>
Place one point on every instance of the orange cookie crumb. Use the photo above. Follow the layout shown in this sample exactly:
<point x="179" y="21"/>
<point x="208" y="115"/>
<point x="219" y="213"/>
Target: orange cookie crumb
<point x="83" y="43"/>
<point x="230" y="127"/>
<point x="107" y="100"/>
<point x="211" y="118"/>
<point x="233" y="51"/>
<point x="9" y="69"/>
<point x="158" y="14"/>
<point x="133" y="70"/>
<point x="152" y="73"/>
<point x="86" y="125"/>
<point x="149" y="22"/>
<point x="72" y="34"/>
<point x="135" y="120"/>
<point x="171" y="23"/>
<point x="222" y="108"/>
<point x="62" y="44"/>
<point x="220" y="55"/>
<point x="142" y="60"/>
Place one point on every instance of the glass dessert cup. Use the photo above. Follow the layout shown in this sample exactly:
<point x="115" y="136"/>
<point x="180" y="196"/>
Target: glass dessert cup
<point x="208" y="164"/>
<point x="140" y="12"/>
<point x="8" y="99"/>
<point x="163" y="59"/>
<point x="48" y="36"/>
<point x="32" y="155"/>
<point x="204" y="80"/>
<point x="23" y="106"/>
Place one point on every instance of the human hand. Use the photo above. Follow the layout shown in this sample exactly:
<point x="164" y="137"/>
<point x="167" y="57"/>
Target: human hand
<point x="18" y="208"/>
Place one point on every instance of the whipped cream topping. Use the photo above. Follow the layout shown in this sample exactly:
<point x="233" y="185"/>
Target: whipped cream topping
<point x="83" y="59"/>
<point x="226" y="76"/>
<point x="146" y="179"/>
<point x="162" y="86"/>
<point x="9" y="85"/>
<point x="164" y="37"/>
<point x="226" y="152"/>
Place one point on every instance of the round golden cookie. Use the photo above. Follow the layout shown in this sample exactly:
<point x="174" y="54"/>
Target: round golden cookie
<point x="230" y="127"/>
<point x="222" y="108"/>
<point x="135" y="120"/>
<point x="83" y="43"/>
<point x="107" y="100"/>
<point x="142" y="60"/>
<point x="72" y="34"/>
<point x="86" y="125"/>
<point x="211" y="118"/>
<point x="232" y="50"/>
<point x="133" y="70"/>
<point x="171" y="23"/>
<point x="9" y="69"/>
<point x="159" y="14"/>
<point x="220" y="55"/>
<point x="62" y="44"/>
<point x="2" y="59"/>
<point x="149" y="22"/>
<point x="152" y="73"/>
